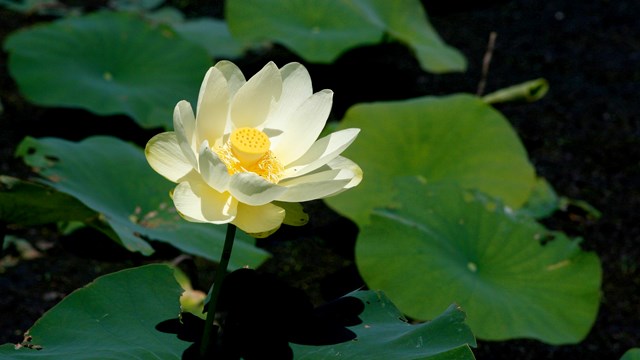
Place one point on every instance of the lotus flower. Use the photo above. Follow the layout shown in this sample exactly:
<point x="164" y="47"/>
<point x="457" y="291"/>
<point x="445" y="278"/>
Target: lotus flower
<point x="250" y="153"/>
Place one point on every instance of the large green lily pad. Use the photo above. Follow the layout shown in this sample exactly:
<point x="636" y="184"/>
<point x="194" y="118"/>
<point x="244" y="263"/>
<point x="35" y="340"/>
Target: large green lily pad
<point x="28" y="203"/>
<point x="437" y="244"/>
<point x="322" y="30"/>
<point x="385" y="333"/>
<point x="113" y="318"/>
<point x="453" y="139"/>
<point x="108" y="63"/>
<point x="113" y="178"/>
<point x="213" y="35"/>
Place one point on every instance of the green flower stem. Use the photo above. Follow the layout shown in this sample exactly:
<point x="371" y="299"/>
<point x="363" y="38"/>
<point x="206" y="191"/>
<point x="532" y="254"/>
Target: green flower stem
<point x="207" y="336"/>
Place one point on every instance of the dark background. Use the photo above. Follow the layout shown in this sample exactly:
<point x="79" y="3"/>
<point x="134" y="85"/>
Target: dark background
<point x="583" y="137"/>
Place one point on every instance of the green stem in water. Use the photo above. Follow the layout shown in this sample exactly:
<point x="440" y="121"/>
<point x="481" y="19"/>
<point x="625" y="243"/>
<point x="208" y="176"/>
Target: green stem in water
<point x="209" y="338"/>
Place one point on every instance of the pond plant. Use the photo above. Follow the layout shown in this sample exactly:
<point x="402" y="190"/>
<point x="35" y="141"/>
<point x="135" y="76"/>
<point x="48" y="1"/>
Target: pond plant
<point x="447" y="204"/>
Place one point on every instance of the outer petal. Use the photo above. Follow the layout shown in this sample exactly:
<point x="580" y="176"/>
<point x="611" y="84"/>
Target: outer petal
<point x="341" y="162"/>
<point x="251" y="189"/>
<point x="184" y="124"/>
<point x="296" y="88"/>
<point x="196" y="201"/>
<point x="321" y="152"/>
<point x="315" y="186"/>
<point x="294" y="213"/>
<point x="235" y="80"/>
<point x="214" y="172"/>
<point x="233" y="74"/>
<point x="302" y="128"/>
<point x="253" y="102"/>
<point x="213" y="107"/>
<point x="166" y="158"/>
<point x="336" y="176"/>
<point x="259" y="221"/>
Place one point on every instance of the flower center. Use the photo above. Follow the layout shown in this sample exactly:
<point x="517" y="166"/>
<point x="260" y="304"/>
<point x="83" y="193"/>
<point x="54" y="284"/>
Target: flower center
<point x="247" y="150"/>
<point x="249" y="144"/>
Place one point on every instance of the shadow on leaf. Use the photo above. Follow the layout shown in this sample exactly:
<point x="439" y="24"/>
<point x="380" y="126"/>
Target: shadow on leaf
<point x="258" y="316"/>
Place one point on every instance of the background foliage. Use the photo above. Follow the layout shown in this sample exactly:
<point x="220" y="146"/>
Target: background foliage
<point x="575" y="141"/>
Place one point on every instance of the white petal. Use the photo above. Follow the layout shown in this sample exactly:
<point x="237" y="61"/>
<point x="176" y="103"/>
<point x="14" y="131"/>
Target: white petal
<point x="251" y="189"/>
<point x="302" y="128"/>
<point x="213" y="107"/>
<point x="233" y="74"/>
<point x="196" y="201"/>
<point x="336" y="176"/>
<point x="340" y="162"/>
<point x="252" y="103"/>
<point x="184" y="124"/>
<point x="321" y="152"/>
<point x="296" y="88"/>
<point x="259" y="221"/>
<point x="214" y="172"/>
<point x="316" y="185"/>
<point x="166" y="158"/>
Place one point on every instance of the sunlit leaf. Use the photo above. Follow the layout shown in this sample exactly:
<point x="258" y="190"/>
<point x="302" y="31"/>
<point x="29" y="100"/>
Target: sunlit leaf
<point x="385" y="333"/>
<point x="631" y="354"/>
<point x="113" y="178"/>
<point x="407" y="22"/>
<point x="454" y="139"/>
<point x="437" y="244"/>
<point x="107" y="63"/>
<point x="318" y="31"/>
<point x="322" y="30"/>
<point x="113" y="318"/>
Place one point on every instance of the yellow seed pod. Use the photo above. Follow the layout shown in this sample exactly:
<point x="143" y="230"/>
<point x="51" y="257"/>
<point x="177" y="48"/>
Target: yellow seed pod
<point x="249" y="144"/>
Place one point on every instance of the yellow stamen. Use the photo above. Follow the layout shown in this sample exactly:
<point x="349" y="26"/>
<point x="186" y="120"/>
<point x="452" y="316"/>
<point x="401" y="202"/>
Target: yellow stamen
<point x="249" y="145"/>
<point x="247" y="150"/>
